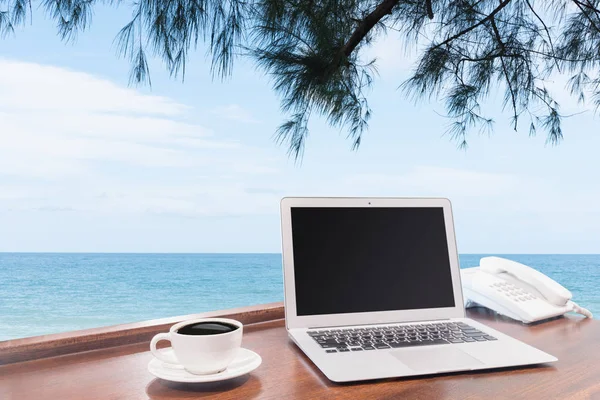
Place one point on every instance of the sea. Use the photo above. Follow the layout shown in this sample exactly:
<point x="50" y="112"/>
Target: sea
<point x="43" y="293"/>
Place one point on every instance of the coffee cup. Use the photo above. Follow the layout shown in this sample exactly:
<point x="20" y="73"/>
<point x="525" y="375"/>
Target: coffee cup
<point x="202" y="346"/>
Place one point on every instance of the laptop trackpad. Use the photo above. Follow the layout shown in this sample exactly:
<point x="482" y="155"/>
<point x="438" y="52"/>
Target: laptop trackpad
<point x="436" y="359"/>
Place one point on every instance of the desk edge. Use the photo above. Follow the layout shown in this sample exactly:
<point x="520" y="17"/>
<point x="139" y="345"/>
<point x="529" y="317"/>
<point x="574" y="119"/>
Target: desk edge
<point x="32" y="348"/>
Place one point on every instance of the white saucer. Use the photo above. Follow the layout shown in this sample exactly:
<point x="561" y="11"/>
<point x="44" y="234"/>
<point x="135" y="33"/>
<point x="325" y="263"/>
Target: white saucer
<point x="245" y="361"/>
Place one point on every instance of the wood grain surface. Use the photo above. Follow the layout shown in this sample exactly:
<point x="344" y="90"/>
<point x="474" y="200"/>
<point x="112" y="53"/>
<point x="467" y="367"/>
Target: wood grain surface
<point x="120" y="372"/>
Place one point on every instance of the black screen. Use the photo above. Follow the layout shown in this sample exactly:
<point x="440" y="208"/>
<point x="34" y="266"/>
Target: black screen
<point x="349" y="260"/>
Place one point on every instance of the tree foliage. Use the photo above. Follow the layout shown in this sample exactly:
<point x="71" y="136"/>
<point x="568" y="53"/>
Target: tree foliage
<point x="314" y="52"/>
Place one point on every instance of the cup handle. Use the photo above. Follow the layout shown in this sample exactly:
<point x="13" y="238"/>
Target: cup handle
<point x="168" y="358"/>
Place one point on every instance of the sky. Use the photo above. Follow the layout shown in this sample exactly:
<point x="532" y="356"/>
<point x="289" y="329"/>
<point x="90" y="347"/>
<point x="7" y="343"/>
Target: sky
<point x="90" y="164"/>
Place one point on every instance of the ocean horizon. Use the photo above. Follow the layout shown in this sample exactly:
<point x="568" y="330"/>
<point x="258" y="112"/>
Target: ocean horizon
<point x="44" y="293"/>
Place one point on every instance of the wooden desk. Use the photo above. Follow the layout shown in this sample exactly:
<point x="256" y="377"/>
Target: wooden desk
<point x="120" y="372"/>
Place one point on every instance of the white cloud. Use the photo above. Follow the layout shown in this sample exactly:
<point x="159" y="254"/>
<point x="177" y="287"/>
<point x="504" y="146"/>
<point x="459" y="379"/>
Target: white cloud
<point x="235" y="112"/>
<point x="78" y="142"/>
<point x="30" y="86"/>
<point x="212" y="198"/>
<point x="52" y="118"/>
<point x="12" y="192"/>
<point x="209" y="199"/>
<point x="435" y="181"/>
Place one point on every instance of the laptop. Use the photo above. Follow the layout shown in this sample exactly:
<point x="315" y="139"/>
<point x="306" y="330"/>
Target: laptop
<point x="372" y="291"/>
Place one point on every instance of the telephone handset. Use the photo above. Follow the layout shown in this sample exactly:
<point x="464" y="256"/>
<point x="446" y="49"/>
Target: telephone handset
<point x="516" y="290"/>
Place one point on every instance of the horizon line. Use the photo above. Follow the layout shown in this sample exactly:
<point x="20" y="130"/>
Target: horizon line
<point x="274" y="253"/>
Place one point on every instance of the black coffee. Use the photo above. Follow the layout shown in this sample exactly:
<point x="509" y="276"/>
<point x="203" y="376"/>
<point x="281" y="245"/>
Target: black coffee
<point x="206" y="328"/>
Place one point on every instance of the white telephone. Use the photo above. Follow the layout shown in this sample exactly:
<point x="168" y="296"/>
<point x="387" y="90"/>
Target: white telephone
<point x="516" y="291"/>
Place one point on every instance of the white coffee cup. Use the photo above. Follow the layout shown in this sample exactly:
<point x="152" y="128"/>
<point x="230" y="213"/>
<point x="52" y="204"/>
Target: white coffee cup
<point x="200" y="354"/>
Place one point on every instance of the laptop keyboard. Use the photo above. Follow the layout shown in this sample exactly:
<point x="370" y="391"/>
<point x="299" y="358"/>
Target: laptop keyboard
<point x="397" y="336"/>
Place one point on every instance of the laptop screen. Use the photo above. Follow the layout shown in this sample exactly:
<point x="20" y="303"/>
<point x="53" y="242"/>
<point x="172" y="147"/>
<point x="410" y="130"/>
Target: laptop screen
<point x="353" y="260"/>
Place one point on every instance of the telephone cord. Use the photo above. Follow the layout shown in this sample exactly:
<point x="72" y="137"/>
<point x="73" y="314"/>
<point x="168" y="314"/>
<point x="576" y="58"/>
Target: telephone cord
<point x="580" y="310"/>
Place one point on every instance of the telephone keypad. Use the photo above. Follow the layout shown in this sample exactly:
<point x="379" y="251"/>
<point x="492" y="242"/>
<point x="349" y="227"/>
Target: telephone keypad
<point x="512" y="292"/>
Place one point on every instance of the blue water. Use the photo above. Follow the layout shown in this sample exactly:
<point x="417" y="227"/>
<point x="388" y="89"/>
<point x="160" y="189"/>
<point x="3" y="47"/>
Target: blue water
<point x="48" y="293"/>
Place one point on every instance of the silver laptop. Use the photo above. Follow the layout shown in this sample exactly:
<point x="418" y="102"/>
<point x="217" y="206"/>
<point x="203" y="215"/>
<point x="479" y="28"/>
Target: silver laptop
<point x="372" y="290"/>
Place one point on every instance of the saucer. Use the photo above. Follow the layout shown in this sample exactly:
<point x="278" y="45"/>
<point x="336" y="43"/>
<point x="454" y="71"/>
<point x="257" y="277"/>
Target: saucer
<point x="245" y="361"/>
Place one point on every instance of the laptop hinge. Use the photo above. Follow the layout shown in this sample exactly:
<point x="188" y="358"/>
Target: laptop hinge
<point x="381" y="323"/>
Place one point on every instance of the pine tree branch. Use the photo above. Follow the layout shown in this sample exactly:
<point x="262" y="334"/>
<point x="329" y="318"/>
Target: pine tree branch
<point x="588" y="5"/>
<point x="530" y="6"/>
<point x="491" y="15"/>
<point x="429" y="8"/>
<point x="513" y="96"/>
<point x="363" y="28"/>
<point x="581" y="6"/>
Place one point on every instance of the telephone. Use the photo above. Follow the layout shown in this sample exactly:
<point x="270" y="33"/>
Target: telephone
<point x="516" y="291"/>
